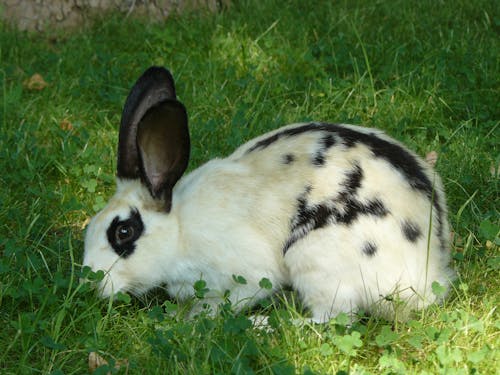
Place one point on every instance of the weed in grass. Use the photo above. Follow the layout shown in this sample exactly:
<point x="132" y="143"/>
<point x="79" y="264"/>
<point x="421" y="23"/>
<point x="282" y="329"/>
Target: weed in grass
<point x="425" y="72"/>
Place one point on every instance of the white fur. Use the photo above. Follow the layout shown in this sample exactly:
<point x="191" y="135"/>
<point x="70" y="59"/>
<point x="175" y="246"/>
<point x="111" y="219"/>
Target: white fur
<point x="232" y="216"/>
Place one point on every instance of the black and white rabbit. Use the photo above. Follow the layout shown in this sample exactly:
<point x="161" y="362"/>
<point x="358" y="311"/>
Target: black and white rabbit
<point x="344" y="214"/>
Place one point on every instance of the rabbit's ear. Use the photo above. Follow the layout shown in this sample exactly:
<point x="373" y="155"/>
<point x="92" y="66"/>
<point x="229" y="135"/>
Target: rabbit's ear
<point x="154" y="137"/>
<point x="163" y="142"/>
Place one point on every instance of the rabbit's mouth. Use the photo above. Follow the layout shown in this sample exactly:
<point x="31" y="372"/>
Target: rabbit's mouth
<point x="104" y="288"/>
<point x="110" y="286"/>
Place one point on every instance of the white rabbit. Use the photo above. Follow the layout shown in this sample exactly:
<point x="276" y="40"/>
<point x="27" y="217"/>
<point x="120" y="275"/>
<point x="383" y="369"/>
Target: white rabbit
<point x="345" y="215"/>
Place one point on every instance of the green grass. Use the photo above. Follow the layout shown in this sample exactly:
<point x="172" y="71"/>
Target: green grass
<point x="426" y="72"/>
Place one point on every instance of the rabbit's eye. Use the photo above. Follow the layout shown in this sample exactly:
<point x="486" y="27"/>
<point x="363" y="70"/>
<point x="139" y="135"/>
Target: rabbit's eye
<point x="124" y="233"/>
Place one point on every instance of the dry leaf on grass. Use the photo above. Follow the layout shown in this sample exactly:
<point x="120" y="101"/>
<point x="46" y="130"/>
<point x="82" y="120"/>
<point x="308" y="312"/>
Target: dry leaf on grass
<point x="85" y="223"/>
<point x="96" y="361"/>
<point x="490" y="245"/>
<point x="35" y="82"/>
<point x="431" y="158"/>
<point x="494" y="169"/>
<point x="66" y="125"/>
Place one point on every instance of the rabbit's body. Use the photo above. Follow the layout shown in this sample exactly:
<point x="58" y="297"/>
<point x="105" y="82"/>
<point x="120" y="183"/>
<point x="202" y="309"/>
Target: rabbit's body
<point x="345" y="215"/>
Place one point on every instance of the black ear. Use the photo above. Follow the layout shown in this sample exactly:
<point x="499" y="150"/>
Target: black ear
<point x="154" y="137"/>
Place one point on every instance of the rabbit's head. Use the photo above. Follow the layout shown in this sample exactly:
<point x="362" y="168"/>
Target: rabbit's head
<point x="132" y="238"/>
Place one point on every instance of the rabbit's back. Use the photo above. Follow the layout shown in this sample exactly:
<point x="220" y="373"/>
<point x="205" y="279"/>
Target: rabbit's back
<point x="337" y="175"/>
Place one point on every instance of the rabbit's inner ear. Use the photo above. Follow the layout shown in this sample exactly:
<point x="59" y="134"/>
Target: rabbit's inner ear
<point x="163" y="142"/>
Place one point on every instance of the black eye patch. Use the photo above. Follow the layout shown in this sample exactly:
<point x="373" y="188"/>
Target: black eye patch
<point x="122" y="234"/>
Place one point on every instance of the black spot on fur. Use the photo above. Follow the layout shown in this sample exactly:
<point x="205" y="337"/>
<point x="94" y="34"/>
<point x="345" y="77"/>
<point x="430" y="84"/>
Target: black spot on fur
<point x="283" y="134"/>
<point x="288" y="158"/>
<point x="375" y="207"/>
<point x="344" y="209"/>
<point x="319" y="159"/>
<point x="122" y="234"/>
<point x="354" y="208"/>
<point x="369" y="249"/>
<point x="353" y="179"/>
<point x="328" y="141"/>
<point x="325" y="143"/>
<point x="411" y="231"/>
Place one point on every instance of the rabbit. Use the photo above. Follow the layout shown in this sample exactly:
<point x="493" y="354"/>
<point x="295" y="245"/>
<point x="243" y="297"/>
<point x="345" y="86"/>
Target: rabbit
<point x="344" y="215"/>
